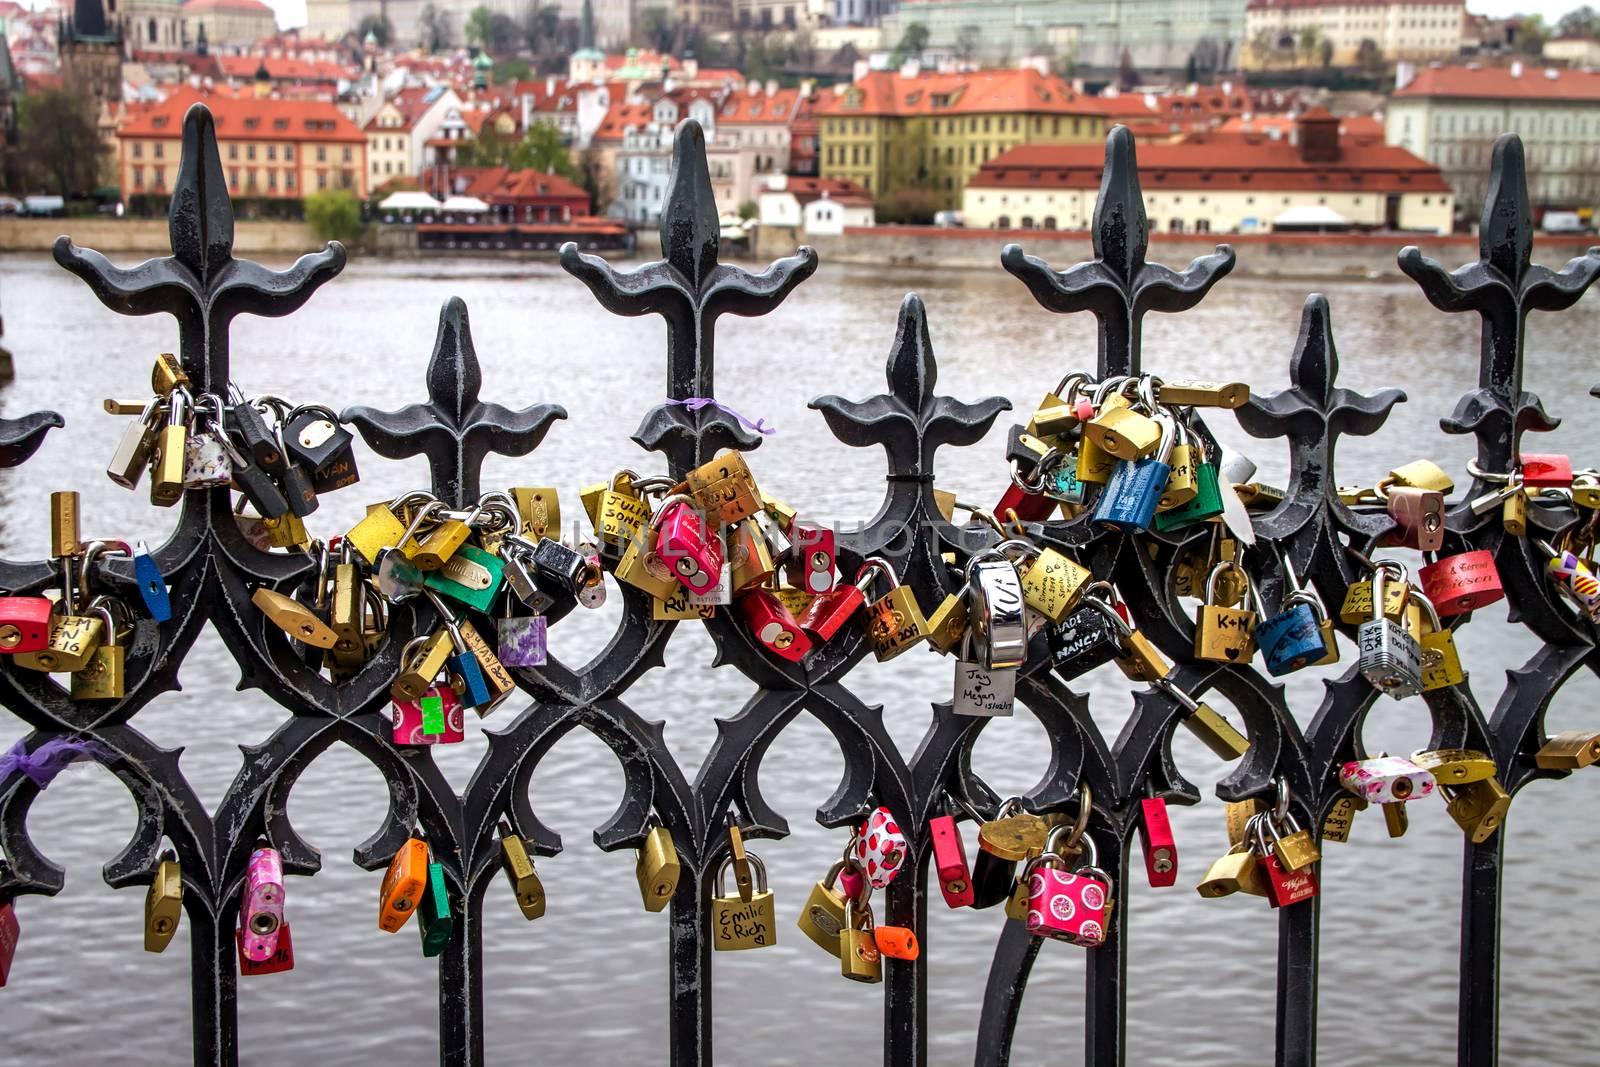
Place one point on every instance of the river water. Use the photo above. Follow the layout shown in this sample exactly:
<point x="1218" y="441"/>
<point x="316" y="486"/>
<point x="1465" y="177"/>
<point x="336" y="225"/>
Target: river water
<point x="586" y="983"/>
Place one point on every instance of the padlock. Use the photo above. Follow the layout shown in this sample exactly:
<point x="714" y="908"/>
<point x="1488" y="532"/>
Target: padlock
<point x="10" y="931"/>
<point x="440" y="543"/>
<point x="261" y="904"/>
<point x="73" y="640"/>
<point x="134" y="448"/>
<point x="724" y="490"/>
<point x="811" y="562"/>
<point x="685" y="544"/>
<point x="1052" y="583"/>
<point x="657" y="869"/>
<point x="1514" y="515"/>
<point x="171" y="452"/>
<point x="1357" y="606"/>
<point x="949" y="622"/>
<point x="1238" y="816"/>
<point x="897" y="942"/>
<point x="641" y="568"/>
<point x="402" y="885"/>
<point x="996" y="615"/>
<point x="1421" y="474"/>
<point x="1236" y="871"/>
<point x="859" y="957"/>
<point x="1478" y="808"/>
<point x="1391" y="659"/>
<point x="1419" y="517"/>
<point x="1058" y="478"/>
<point x="1441" y="663"/>
<point x="1180" y="487"/>
<point x="1568" y="751"/>
<point x="980" y="690"/>
<point x="1294" y="850"/>
<point x="894" y="621"/>
<point x="435" y="922"/>
<point x="469" y="576"/>
<point x="314" y="440"/>
<point x="1225" y="635"/>
<point x="1207" y="724"/>
<point x="1287" y="887"/>
<point x="1295" y="637"/>
<point x="380" y="529"/>
<point x="1120" y="431"/>
<point x="1092" y="635"/>
<point x="950" y="861"/>
<point x="1160" y="848"/>
<point x="1095" y="464"/>
<point x="163" y="904"/>
<point x="1395" y="819"/>
<point x="1341" y="816"/>
<point x="1574" y="579"/>
<point x="294" y="618"/>
<point x="773" y="626"/>
<point x="1128" y="502"/>
<point x="253" y="435"/>
<point x="1202" y="394"/>
<point x="1026" y="504"/>
<point x="151" y="583"/>
<point x="1462" y="582"/>
<point x="466" y="671"/>
<point x="433" y="718"/>
<point x="1068" y="907"/>
<point x="1544" y="470"/>
<point x="740" y="924"/>
<point x="523" y="640"/>
<point x="774" y="534"/>
<point x="104" y="676"/>
<point x="539" y="509"/>
<point x="167" y="374"/>
<point x="518" y="865"/>
<point x="828" y="613"/>
<point x="1206" y="504"/>
<point x="281" y="958"/>
<point x="747" y="556"/>
<point x="1455" y="766"/>
<point x="1012" y="836"/>
<point x="822" y="919"/>
<point x="207" y="462"/>
<point x="1386" y="780"/>
<point x="881" y="848"/>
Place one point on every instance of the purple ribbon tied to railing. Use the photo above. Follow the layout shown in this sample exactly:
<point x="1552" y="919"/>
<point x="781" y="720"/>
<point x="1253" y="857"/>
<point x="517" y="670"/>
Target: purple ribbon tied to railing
<point x="48" y="760"/>
<point x="695" y="403"/>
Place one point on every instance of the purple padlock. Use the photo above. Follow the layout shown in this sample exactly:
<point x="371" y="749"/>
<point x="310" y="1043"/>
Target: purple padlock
<point x="261" y="909"/>
<point x="523" y="641"/>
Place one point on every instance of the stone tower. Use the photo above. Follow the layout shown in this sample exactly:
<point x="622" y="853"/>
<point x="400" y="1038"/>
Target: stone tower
<point x="91" y="53"/>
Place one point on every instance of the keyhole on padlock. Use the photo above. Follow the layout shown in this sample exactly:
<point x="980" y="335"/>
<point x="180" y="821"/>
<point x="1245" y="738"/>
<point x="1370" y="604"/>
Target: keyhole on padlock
<point x="1401" y="788"/>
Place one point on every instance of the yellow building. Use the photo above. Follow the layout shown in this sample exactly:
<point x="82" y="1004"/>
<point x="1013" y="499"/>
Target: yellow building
<point x="1298" y="33"/>
<point x="894" y="130"/>
<point x="1225" y="183"/>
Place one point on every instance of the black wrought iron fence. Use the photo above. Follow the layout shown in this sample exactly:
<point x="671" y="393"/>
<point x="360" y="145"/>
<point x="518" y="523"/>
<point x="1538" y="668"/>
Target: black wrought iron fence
<point x="215" y="573"/>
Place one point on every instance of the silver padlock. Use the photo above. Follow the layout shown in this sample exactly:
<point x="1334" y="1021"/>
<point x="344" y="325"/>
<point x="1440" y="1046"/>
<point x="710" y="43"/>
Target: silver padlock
<point x="999" y="616"/>
<point x="1391" y="659"/>
<point x="206" y="463"/>
<point x="981" y="691"/>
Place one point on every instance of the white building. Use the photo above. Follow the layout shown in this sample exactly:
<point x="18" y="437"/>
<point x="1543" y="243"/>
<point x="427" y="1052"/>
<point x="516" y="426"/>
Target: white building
<point x="788" y="201"/>
<point x="1356" y="31"/>
<point x="644" y="160"/>
<point x="1572" y="51"/>
<point x="1450" y="116"/>
<point x="398" y="135"/>
<point x="827" y="216"/>
<point x="751" y="143"/>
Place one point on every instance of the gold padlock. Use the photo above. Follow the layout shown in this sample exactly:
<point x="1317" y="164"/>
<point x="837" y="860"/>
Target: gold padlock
<point x="1225" y="635"/>
<point x="1395" y="819"/>
<point x="287" y="531"/>
<point x="1441" y="662"/>
<point x="1180" y="488"/>
<point x="294" y="618"/>
<point x="495" y="675"/>
<point x="1229" y="873"/>
<point x="1514" y="514"/>
<point x="346" y="616"/>
<point x="724" y="489"/>
<point x="739" y="924"/>
<point x="1190" y="393"/>
<point x="748" y="555"/>
<point x="1295" y="849"/>
<point x="166" y="468"/>
<point x="1237" y="815"/>
<point x="657" y="868"/>
<point x="859" y="958"/>
<point x="1123" y="432"/>
<point x="1569" y="751"/>
<point x="1357" y="607"/>
<point x="163" y="904"/>
<point x="539" y="508"/>
<point x="1336" y="825"/>
<point x="103" y="677"/>
<point x="65" y="539"/>
<point x="642" y="569"/>
<point x="895" y="623"/>
<point x="1017" y="903"/>
<point x="380" y="529"/>
<point x="71" y="644"/>
<point x="434" y="548"/>
<point x="167" y="374"/>
<point x="1140" y="659"/>
<point x="420" y="663"/>
<point x="1477" y="807"/>
<point x="1455" y="766"/>
<point x="1053" y="584"/>
<point x="822" y="919"/>
<point x="1420" y="474"/>
<point x="948" y="623"/>
<point x="1209" y="727"/>
<point x="518" y="865"/>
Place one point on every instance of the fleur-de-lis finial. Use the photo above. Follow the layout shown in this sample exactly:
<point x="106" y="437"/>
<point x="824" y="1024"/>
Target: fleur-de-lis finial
<point x="1502" y="287"/>
<point x="1313" y="413"/>
<point x="1118" y="285"/>
<point x="689" y="289"/>
<point x="454" y="429"/>
<point x="201" y="284"/>
<point x="910" y="422"/>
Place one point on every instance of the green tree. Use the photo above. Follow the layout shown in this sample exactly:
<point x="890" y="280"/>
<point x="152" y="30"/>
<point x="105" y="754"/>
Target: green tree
<point x="1370" y="57"/>
<point x="479" y="29"/>
<point x="1531" y="37"/>
<point x="912" y="42"/>
<point x="435" y="26"/>
<point x="59" y="142"/>
<point x="1310" y="38"/>
<point x="509" y="70"/>
<point x="541" y="149"/>
<point x="1580" y="22"/>
<point x="655" y="29"/>
<point x="381" y="28"/>
<point x="748" y="210"/>
<point x="334" y="215"/>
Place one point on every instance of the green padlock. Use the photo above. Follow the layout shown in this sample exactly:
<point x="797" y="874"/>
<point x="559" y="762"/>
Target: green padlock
<point x="470" y="576"/>
<point x="435" y="920"/>
<point x="1207" y="502"/>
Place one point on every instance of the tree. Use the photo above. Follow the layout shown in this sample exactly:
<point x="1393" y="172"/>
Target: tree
<point x="435" y="29"/>
<point x="1370" y="57"/>
<point x="542" y="149"/>
<point x="748" y="210"/>
<point x="967" y="41"/>
<point x="334" y="215"/>
<point x="1310" y="37"/>
<point x="1326" y="48"/>
<point x="655" y="29"/>
<point x="1532" y="34"/>
<point x="912" y="42"/>
<point x="1579" y="22"/>
<point x="59" y="142"/>
<point x="381" y="28"/>
<point x="511" y="70"/>
<point x="1127" y="74"/>
<point x="479" y="27"/>
<point x="596" y="180"/>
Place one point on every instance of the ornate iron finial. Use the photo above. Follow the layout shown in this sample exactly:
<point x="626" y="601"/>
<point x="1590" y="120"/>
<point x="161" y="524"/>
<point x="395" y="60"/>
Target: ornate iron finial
<point x="1313" y="413"/>
<point x="201" y="284"/>
<point x="1118" y="285"/>
<point x="20" y="438"/>
<point x="454" y="429"/>
<point x="689" y="289"/>
<point x="910" y="422"/>
<point x="1502" y="287"/>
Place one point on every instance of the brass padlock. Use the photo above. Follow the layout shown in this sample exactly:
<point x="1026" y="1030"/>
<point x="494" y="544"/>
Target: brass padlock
<point x="1141" y="660"/>
<point x="287" y="531"/>
<point x="294" y="618"/>
<point x="1455" y="766"/>
<point x="1225" y="635"/>
<point x="103" y="677"/>
<point x="167" y="467"/>
<point x="1395" y="819"/>
<point x="434" y="548"/>
<point x="1120" y="431"/>
<point x="1017" y="903"/>
<point x="823" y="918"/>
<point x="1237" y="815"/>
<point x="748" y="555"/>
<point x="1180" y="487"/>
<point x="346" y="615"/>
<point x="859" y="958"/>
<point x="1233" y="873"/>
<point x="739" y="924"/>
<point x="518" y="865"/>
<point x="1357" y="607"/>
<point x="1441" y="662"/>
<point x="1200" y="394"/>
<point x="420" y="663"/>
<point x="1569" y="751"/>
<point x="642" y="569"/>
<point x="167" y="374"/>
<point x="948" y="623"/>
<point x="621" y="512"/>
<point x="1420" y="474"/>
<point x="71" y="644"/>
<point x="1052" y="584"/>
<point x="539" y="508"/>
<point x="1477" y="807"/>
<point x="1295" y="849"/>
<point x="1514" y="514"/>
<point x="380" y="529"/>
<point x="65" y="538"/>
<point x="657" y="868"/>
<point x="895" y="623"/>
<point x="163" y="904"/>
<point x="724" y="489"/>
<point x="1342" y="816"/>
<point x="1208" y="725"/>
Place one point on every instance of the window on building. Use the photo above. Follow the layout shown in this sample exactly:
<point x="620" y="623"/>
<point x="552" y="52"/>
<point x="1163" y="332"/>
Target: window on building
<point x="1027" y="222"/>
<point x="1003" y="222"/>
<point x="322" y="179"/>
<point x="986" y="124"/>
<point x="867" y="156"/>
<point x="138" y="177"/>
<point x="855" y="155"/>
<point x="250" y="151"/>
<point x="233" y="177"/>
<point x="272" y="180"/>
<point x="161" y="177"/>
<point x="322" y="153"/>
<point x="138" y="150"/>
<point x="160" y="149"/>
<point x="347" y="153"/>
<point x="1175" y="226"/>
<point x="272" y="152"/>
<point x="1049" y="222"/>
<point x="1202" y="225"/>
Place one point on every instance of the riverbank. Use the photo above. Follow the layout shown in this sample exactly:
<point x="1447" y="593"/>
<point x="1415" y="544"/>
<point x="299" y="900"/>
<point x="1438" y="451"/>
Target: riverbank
<point x="149" y="236"/>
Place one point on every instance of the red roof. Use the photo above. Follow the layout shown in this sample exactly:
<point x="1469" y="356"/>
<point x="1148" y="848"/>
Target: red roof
<point x="502" y="185"/>
<point x="1363" y="127"/>
<point x="620" y="116"/>
<point x="805" y="190"/>
<point x="883" y="92"/>
<point x="554" y="95"/>
<point x="243" y="7"/>
<point x="758" y="108"/>
<point x="280" y="68"/>
<point x="244" y="118"/>
<point x="411" y="103"/>
<point x="1498" y="83"/>
<point x="1218" y="161"/>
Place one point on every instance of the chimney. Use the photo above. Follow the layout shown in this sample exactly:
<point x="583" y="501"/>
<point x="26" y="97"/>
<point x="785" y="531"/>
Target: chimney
<point x="772" y="86"/>
<point x="910" y="69"/>
<point x="1404" y="75"/>
<point x="1317" y="135"/>
<point x="550" y="85"/>
<point x="1516" y="69"/>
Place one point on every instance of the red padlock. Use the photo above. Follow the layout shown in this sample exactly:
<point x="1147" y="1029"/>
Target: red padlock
<point x="827" y="614"/>
<point x="1287" y="887"/>
<point x="774" y="625"/>
<point x="1155" y="838"/>
<point x="950" y="861"/>
<point x="881" y="848"/>
<point x="24" y="624"/>
<point x="1461" y="583"/>
<point x="1030" y="507"/>
<point x="9" y="931"/>
<point x="852" y="883"/>
<point x="1068" y="907"/>
<point x="1546" y="470"/>
<point x="282" y="959"/>
<point x="410" y="720"/>
<point x="683" y="543"/>
<point x="811" y="562"/>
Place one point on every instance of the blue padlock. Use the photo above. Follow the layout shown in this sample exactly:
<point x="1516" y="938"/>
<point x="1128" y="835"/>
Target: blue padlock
<point x="152" y="584"/>
<point x="461" y="663"/>
<point x="1292" y="638"/>
<point x="1128" y="502"/>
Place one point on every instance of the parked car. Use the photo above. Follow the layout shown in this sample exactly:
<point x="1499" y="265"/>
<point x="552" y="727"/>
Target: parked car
<point x="1564" y="222"/>
<point x="44" y="205"/>
<point x="10" y="205"/>
<point x="949" y="218"/>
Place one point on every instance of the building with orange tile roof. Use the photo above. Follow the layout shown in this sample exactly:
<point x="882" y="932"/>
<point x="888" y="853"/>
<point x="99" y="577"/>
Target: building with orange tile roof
<point x="271" y="149"/>
<point x="894" y="130"/>
<point x="228" y="23"/>
<point x="1222" y="183"/>
<point x="1450" y="115"/>
<point x="398" y="133"/>
<point x="1350" y="32"/>
<point x="752" y="141"/>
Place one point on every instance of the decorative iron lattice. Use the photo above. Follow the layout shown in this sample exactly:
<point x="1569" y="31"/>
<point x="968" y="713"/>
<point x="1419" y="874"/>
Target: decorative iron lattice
<point x="213" y="569"/>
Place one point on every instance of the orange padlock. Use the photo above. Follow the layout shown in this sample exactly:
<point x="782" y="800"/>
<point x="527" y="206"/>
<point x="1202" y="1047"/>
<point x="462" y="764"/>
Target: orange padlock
<point x="896" y="942"/>
<point x="402" y="885"/>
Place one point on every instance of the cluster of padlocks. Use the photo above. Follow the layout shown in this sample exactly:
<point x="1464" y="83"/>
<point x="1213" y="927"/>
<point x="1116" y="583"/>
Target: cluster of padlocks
<point x="1129" y="452"/>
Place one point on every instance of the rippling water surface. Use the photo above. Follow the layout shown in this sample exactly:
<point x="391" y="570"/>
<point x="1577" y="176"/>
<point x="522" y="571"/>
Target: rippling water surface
<point x="588" y="982"/>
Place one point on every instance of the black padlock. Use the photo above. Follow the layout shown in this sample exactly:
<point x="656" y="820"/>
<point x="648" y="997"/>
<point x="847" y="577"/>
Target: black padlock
<point x="557" y="567"/>
<point x="1092" y="635"/>
<point x="256" y="484"/>
<point x="313" y="439"/>
<point x="252" y="434"/>
<point x="298" y="490"/>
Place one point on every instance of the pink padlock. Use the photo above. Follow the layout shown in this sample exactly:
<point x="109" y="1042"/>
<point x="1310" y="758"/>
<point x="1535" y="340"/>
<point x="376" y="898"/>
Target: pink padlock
<point x="851" y="882"/>
<point x="434" y="719"/>
<point x="281" y="958"/>
<point x="1546" y="470"/>
<point x="261" y="907"/>
<point x="685" y="546"/>
<point x="1386" y="780"/>
<point x="880" y="848"/>
<point x="1068" y="907"/>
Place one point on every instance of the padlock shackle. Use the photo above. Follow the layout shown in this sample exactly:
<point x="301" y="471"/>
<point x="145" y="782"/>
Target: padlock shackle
<point x="1249" y="584"/>
<point x="875" y="565"/>
<point x="754" y="860"/>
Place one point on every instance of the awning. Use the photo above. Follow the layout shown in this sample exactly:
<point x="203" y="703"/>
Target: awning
<point x="464" y="203"/>
<point x="1311" y="217"/>
<point x="409" y="200"/>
